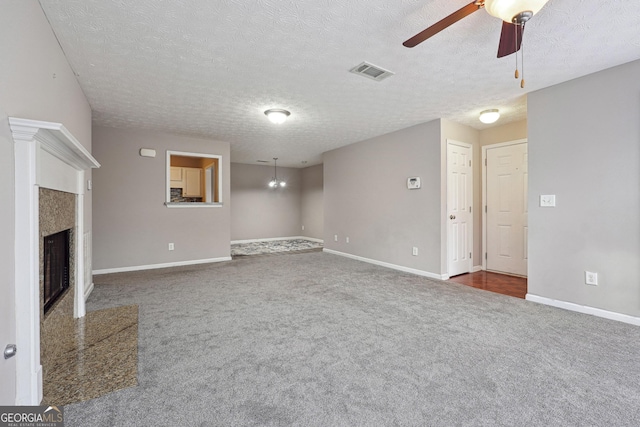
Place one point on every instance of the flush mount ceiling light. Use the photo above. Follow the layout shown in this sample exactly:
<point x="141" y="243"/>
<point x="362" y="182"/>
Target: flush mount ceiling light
<point x="277" y="116"/>
<point x="274" y="183"/>
<point x="489" y="116"/>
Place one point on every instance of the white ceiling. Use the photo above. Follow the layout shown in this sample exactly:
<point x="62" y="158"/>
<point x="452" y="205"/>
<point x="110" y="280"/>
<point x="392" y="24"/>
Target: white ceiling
<point x="210" y="68"/>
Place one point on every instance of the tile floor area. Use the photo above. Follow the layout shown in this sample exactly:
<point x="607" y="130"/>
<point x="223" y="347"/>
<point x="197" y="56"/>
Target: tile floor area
<point x="273" y="246"/>
<point x="98" y="355"/>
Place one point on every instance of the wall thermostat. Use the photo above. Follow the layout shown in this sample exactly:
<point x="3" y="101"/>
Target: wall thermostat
<point x="413" y="183"/>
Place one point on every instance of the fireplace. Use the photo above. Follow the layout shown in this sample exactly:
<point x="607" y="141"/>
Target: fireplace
<point x="48" y="159"/>
<point x="56" y="267"/>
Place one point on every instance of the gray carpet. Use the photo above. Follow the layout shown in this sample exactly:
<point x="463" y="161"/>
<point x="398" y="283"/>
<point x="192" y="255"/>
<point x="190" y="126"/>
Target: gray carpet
<point x="314" y="339"/>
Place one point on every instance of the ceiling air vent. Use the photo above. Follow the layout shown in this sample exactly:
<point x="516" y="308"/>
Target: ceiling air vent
<point x="371" y="71"/>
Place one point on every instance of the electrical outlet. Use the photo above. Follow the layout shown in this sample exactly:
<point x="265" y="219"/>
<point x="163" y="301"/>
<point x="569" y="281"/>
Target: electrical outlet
<point x="415" y="251"/>
<point x="347" y="239"/>
<point x="303" y="228"/>
<point x="171" y="246"/>
<point x="548" y="200"/>
<point x="591" y="278"/>
<point x="335" y="237"/>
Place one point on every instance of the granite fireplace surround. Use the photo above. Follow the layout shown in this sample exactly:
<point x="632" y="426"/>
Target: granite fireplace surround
<point x="57" y="213"/>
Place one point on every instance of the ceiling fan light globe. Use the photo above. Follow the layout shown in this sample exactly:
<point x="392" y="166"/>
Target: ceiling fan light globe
<point x="283" y="184"/>
<point x="272" y="183"/>
<point x="507" y="10"/>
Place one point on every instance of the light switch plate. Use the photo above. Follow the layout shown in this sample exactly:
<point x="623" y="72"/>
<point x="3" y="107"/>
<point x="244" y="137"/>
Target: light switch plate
<point x="548" y="200"/>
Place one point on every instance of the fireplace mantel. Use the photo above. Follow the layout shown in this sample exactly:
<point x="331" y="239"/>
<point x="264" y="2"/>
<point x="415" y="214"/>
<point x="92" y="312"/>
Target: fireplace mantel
<point x="55" y="139"/>
<point x="47" y="155"/>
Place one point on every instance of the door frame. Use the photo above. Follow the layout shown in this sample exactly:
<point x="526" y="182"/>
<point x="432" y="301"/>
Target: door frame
<point x="483" y="208"/>
<point x="446" y="212"/>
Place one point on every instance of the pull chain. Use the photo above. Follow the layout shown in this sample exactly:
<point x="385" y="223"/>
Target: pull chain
<point x="517" y="73"/>
<point x="522" y="48"/>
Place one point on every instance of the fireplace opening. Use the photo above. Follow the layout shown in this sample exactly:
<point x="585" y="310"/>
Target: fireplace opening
<point x="56" y="267"/>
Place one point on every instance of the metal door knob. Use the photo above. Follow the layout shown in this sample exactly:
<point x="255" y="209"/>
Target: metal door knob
<point x="10" y="351"/>
<point x="452" y="217"/>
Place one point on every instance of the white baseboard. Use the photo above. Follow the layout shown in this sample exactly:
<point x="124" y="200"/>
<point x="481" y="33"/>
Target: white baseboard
<point x="474" y="269"/>
<point x="388" y="265"/>
<point x="164" y="265"/>
<point x="273" y="239"/>
<point x="312" y="239"/>
<point x="611" y="315"/>
<point x="88" y="291"/>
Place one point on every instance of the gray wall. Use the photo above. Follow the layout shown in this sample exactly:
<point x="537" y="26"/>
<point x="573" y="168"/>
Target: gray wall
<point x="132" y="226"/>
<point x="363" y="196"/>
<point x="584" y="147"/>
<point x="260" y="212"/>
<point x="36" y="81"/>
<point x="30" y="57"/>
<point x="312" y="208"/>
<point x="366" y="198"/>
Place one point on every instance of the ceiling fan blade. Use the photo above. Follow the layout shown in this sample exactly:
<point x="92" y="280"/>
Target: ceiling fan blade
<point x="510" y="33"/>
<point x="442" y="24"/>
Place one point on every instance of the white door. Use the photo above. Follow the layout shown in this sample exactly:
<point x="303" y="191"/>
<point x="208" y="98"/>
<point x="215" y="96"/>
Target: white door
<point x="7" y="336"/>
<point x="506" y="209"/>
<point x="459" y="200"/>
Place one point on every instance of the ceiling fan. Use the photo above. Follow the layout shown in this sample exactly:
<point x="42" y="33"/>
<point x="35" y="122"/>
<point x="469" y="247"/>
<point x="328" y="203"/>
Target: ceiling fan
<point x="514" y="14"/>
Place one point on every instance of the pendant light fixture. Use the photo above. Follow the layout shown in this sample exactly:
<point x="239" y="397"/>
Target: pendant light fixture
<point x="274" y="183"/>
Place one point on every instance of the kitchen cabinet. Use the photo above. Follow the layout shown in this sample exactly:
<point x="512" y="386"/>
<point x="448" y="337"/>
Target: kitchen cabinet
<point x="193" y="182"/>
<point x="188" y="179"/>
<point x="176" y="177"/>
<point x="176" y="173"/>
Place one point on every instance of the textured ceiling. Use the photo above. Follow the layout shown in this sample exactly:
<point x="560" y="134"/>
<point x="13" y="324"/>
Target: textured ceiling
<point x="210" y="68"/>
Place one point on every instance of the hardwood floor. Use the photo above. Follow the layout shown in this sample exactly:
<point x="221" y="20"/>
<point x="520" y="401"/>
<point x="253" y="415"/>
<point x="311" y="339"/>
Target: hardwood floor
<point x="494" y="282"/>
